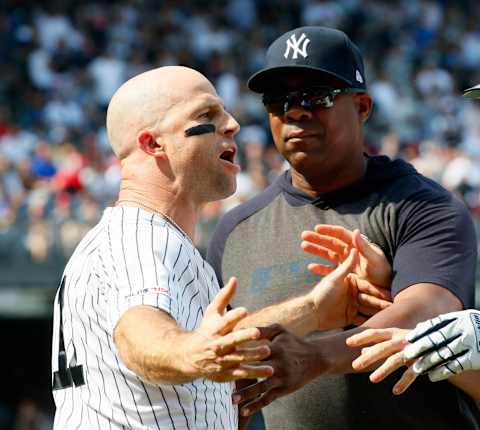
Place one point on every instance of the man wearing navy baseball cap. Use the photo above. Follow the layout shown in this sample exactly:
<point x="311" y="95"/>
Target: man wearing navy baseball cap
<point x="315" y="94"/>
<point x="316" y="49"/>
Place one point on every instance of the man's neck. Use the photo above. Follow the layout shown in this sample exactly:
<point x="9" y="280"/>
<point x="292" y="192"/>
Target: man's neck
<point x="315" y="186"/>
<point x="183" y="216"/>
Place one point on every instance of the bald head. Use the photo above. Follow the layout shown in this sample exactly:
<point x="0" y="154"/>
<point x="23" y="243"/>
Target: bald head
<point x="145" y="100"/>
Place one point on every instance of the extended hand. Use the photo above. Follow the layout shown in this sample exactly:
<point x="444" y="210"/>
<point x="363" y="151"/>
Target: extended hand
<point x="335" y="298"/>
<point x="443" y="346"/>
<point x="214" y="351"/>
<point x="334" y="243"/>
<point x="447" y="345"/>
<point x="371" y="275"/>
<point x="388" y="345"/>
<point x="294" y="363"/>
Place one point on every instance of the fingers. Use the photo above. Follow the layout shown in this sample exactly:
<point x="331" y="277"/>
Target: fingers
<point x="370" y="302"/>
<point x="449" y="369"/>
<point x="261" y="402"/>
<point x="372" y="354"/>
<point x="369" y="336"/>
<point x="378" y="352"/>
<point x="320" y="269"/>
<point x="252" y="391"/>
<point x="229" y="342"/>
<point x="336" y="231"/>
<point x="365" y="247"/>
<point x="320" y="251"/>
<point x="367" y="287"/>
<point x="230" y="320"/>
<point x="242" y="372"/>
<point x="270" y="332"/>
<point x="405" y="381"/>
<point x="223" y="297"/>
<point x="328" y="242"/>
<point x="447" y="353"/>
<point x="244" y="355"/>
<point x="390" y="348"/>
<point x="392" y="363"/>
<point x="424" y="345"/>
<point x="345" y="268"/>
<point x="421" y="330"/>
<point x="430" y="326"/>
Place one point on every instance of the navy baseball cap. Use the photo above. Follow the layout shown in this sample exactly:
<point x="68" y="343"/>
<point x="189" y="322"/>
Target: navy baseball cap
<point x="472" y="93"/>
<point x="320" y="49"/>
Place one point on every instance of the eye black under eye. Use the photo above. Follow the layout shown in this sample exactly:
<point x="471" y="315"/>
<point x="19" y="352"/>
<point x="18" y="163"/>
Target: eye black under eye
<point x="200" y="129"/>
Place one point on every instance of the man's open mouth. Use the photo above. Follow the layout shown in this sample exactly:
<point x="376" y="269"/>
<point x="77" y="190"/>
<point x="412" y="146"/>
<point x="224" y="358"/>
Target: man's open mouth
<point x="228" y="155"/>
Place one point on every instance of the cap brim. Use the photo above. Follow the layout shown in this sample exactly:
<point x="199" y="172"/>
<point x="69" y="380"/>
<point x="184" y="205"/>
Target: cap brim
<point x="266" y="78"/>
<point x="472" y="93"/>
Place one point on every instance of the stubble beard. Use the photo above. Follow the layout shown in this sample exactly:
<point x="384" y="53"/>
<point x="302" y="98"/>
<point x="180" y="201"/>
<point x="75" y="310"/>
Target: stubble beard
<point x="214" y="185"/>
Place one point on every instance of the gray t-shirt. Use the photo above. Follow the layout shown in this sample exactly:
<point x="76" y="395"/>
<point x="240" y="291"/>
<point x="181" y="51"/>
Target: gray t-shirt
<point x="427" y="235"/>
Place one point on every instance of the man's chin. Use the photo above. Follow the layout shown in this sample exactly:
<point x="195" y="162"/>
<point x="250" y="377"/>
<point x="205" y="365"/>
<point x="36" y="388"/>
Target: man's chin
<point x="225" y="190"/>
<point x="306" y="163"/>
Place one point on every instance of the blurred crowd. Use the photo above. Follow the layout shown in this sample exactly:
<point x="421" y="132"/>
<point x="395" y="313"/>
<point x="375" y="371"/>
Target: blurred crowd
<point x="61" y="61"/>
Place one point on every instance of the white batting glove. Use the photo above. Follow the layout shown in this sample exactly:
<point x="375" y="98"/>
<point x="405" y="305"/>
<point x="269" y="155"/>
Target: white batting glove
<point x="446" y="345"/>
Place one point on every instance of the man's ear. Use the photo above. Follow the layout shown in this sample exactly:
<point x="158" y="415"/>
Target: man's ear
<point x="151" y="144"/>
<point x="364" y="106"/>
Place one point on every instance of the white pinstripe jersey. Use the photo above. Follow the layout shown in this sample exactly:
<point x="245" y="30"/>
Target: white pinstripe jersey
<point x="131" y="257"/>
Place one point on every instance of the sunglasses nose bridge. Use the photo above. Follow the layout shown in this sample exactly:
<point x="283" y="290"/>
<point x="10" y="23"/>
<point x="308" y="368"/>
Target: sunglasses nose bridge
<point x="296" y="99"/>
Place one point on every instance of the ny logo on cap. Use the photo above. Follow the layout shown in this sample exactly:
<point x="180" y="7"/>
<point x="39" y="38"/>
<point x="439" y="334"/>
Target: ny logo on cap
<point x="294" y="45"/>
<point x="358" y="76"/>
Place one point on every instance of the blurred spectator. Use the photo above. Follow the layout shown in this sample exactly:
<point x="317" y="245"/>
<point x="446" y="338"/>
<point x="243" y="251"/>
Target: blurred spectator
<point x="31" y="417"/>
<point x="470" y="47"/>
<point x="64" y="63"/>
<point x="63" y="112"/>
<point x="69" y="61"/>
<point x="322" y="12"/>
<point x="17" y="144"/>
<point x="42" y="163"/>
<point x="54" y="26"/>
<point x="432" y="80"/>
<point x="461" y="173"/>
<point x="107" y="73"/>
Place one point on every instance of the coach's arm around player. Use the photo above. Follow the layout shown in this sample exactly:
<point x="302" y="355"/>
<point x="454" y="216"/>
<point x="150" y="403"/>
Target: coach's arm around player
<point x="155" y="348"/>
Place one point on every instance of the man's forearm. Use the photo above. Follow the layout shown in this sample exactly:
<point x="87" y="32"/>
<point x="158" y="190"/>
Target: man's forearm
<point x="153" y="346"/>
<point x="298" y="315"/>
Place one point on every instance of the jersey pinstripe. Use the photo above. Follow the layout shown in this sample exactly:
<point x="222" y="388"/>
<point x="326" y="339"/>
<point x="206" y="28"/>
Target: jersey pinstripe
<point x="132" y="257"/>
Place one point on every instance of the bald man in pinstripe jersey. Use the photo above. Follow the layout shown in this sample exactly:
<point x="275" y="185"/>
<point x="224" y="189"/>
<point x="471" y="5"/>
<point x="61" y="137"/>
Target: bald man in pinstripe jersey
<point x="142" y="338"/>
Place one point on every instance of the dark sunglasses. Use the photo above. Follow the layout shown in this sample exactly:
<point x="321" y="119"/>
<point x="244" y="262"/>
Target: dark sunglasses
<point x="309" y="99"/>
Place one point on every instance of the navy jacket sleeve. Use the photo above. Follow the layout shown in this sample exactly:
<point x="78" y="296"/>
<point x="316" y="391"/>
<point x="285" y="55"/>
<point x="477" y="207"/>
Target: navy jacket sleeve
<point x="436" y="243"/>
